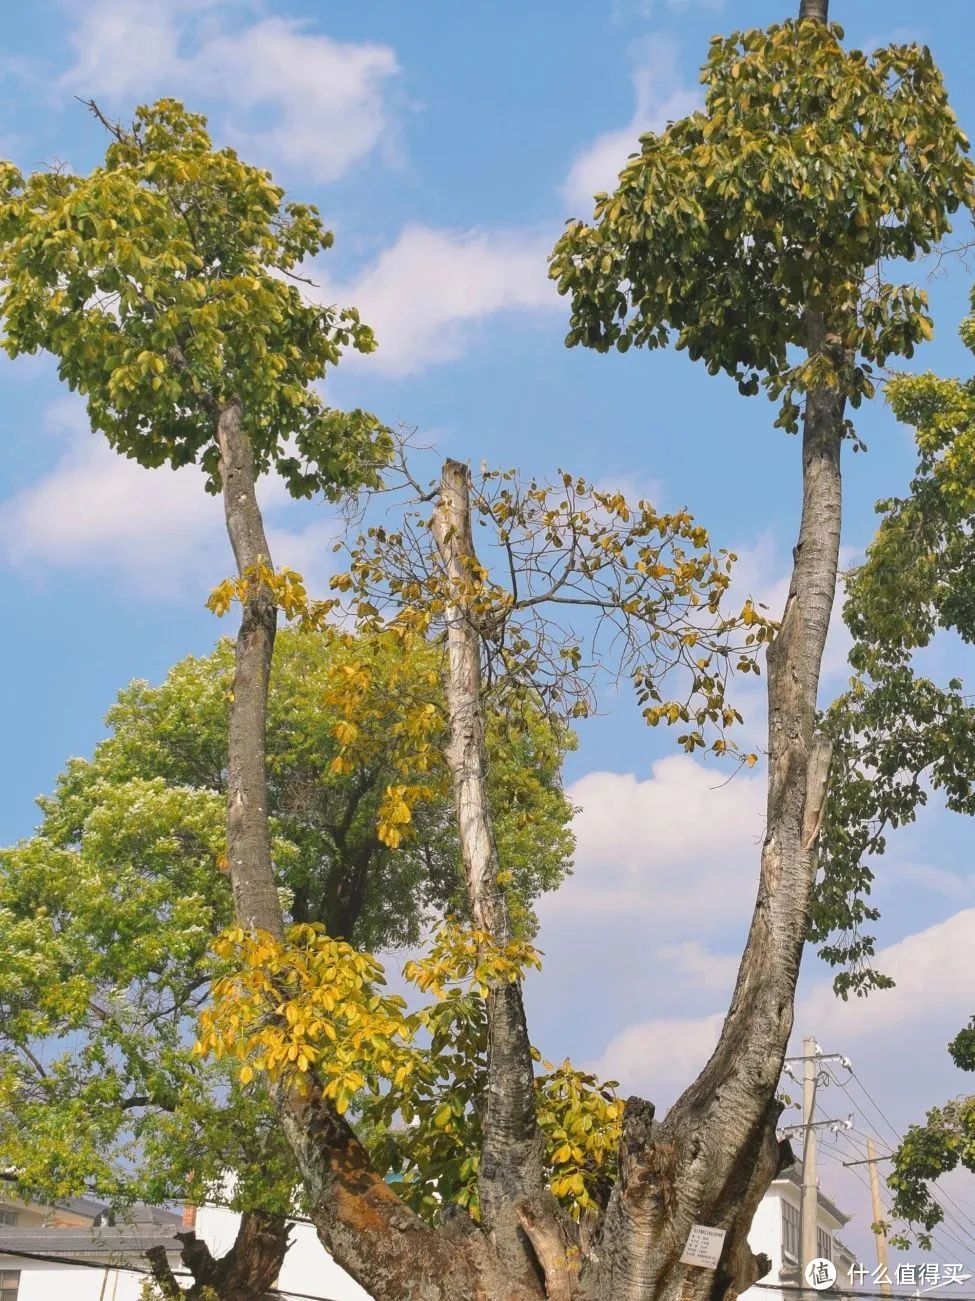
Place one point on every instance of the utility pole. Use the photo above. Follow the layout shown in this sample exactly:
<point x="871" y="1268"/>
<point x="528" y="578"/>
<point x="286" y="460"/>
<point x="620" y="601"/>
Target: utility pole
<point x="814" y="1062"/>
<point x="809" y="1222"/>
<point x="880" y="1239"/>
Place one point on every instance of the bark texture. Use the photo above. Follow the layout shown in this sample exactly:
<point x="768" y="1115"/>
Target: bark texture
<point x="510" y="1174"/>
<point x="245" y="1273"/>
<point x="712" y="1158"/>
<point x="256" y="902"/>
<point x="382" y="1244"/>
<point x="815" y="9"/>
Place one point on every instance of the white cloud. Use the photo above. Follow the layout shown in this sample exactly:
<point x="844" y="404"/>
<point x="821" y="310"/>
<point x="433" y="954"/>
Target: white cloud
<point x="661" y="96"/>
<point x="654" y="1057"/>
<point x="155" y="532"/>
<point x="655" y="1054"/>
<point x="681" y="844"/>
<point x="298" y="98"/>
<point x="627" y="10"/>
<point x="424" y="295"/>
<point x="701" y="968"/>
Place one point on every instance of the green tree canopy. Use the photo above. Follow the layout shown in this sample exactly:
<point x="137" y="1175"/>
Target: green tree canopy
<point x="808" y="169"/>
<point x="107" y="913"/>
<point x="166" y="283"/>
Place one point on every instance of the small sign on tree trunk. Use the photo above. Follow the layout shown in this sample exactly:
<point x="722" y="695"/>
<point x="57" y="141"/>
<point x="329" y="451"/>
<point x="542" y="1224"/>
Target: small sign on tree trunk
<point x="703" y="1247"/>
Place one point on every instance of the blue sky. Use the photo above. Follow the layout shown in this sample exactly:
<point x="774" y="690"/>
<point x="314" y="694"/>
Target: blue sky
<point x="446" y="144"/>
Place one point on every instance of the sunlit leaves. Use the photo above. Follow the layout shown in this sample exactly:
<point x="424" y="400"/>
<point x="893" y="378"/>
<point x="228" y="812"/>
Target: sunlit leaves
<point x="313" y="1010"/>
<point x="809" y="167"/>
<point x="164" y="283"/>
<point x="308" y="1001"/>
<point x="572" y="582"/>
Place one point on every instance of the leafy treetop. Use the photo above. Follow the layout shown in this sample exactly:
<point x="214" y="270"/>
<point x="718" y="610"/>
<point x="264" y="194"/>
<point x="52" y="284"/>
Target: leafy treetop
<point x="165" y="283"/>
<point x="809" y="167"/>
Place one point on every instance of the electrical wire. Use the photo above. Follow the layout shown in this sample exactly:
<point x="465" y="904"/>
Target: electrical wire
<point x="142" y="1269"/>
<point x="950" y="1218"/>
<point x="951" y="1226"/>
<point x="857" y="1152"/>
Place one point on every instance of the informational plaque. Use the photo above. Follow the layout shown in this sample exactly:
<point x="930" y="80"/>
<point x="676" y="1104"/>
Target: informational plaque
<point x="703" y="1247"/>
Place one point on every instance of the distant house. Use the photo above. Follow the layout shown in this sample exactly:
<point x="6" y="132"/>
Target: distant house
<point x="775" y="1231"/>
<point x="73" y="1252"/>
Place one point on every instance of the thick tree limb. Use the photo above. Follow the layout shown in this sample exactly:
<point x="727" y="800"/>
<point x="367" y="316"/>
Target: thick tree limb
<point x="712" y="1158"/>
<point x="358" y="1217"/>
<point x="248" y="1269"/>
<point x="256" y="902"/>
<point x="511" y="1170"/>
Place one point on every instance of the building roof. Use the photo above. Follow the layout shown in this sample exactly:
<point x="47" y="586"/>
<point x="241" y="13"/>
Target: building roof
<point x="794" y="1176"/>
<point x="84" y="1206"/>
<point x="139" y="1213"/>
<point x="122" y="1241"/>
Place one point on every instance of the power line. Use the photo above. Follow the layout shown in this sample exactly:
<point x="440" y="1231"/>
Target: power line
<point x="944" y="1228"/>
<point x="950" y="1218"/>
<point x="937" y="1254"/>
<point x="830" y="1292"/>
<point x="949" y="1223"/>
<point x="142" y="1269"/>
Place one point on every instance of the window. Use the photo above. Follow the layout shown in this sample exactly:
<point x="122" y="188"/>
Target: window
<point x="8" y="1218"/>
<point x="790" y="1230"/>
<point x="824" y="1244"/>
<point x="9" y="1284"/>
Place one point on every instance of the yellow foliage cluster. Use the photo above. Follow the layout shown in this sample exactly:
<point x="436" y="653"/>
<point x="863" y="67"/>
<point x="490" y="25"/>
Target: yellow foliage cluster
<point x="370" y="671"/>
<point x="581" y="1119"/>
<point x="285" y="588"/>
<point x="307" y="1004"/>
<point x="467" y="955"/>
<point x="310" y="1008"/>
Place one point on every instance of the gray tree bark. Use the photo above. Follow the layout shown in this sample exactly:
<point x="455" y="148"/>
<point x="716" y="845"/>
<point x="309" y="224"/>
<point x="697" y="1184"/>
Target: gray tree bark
<point x="510" y="1174"/>
<point x="256" y="902"/>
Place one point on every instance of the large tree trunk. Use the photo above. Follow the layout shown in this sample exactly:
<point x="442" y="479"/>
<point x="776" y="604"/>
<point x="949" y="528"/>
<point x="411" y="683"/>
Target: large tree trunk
<point x="713" y="1157"/>
<point x="256" y="902"/>
<point x="359" y="1219"/>
<point x="510" y="1174"/>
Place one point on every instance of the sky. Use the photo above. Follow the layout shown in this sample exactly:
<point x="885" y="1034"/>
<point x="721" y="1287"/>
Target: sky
<point x="446" y="145"/>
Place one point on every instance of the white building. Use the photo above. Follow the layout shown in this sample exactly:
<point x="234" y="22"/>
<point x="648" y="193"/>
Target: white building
<point x="90" y="1260"/>
<point x="71" y="1252"/>
<point x="775" y="1231"/>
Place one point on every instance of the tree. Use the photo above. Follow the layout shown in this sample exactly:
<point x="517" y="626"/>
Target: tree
<point x="529" y="1158"/>
<point x="900" y="734"/>
<point x="749" y="230"/>
<point x="164" y="283"/>
<point x="307" y="1011"/>
<point x="113" y="966"/>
